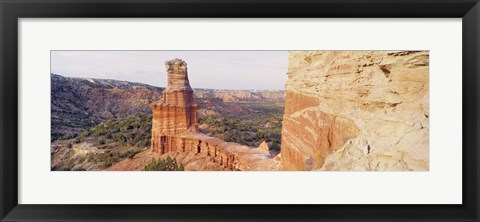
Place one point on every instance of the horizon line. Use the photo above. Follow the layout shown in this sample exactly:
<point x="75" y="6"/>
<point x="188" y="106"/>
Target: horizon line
<point x="80" y="77"/>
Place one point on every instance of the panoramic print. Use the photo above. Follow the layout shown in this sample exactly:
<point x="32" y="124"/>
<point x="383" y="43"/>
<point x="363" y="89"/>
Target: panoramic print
<point x="239" y="110"/>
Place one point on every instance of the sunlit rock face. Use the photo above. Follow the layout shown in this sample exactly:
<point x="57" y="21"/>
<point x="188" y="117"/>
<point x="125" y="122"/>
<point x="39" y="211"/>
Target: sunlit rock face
<point x="356" y="110"/>
<point x="176" y="112"/>
<point x="174" y="134"/>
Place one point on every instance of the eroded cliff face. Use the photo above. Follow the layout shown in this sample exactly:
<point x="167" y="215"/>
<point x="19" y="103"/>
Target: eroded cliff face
<point x="356" y="110"/>
<point x="176" y="111"/>
<point x="174" y="126"/>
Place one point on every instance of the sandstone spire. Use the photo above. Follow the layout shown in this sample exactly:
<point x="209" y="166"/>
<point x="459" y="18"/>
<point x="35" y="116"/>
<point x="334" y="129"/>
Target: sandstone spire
<point x="178" y="91"/>
<point x="176" y="112"/>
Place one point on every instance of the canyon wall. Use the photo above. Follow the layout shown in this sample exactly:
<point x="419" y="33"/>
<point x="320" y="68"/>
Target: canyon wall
<point x="356" y="110"/>
<point x="203" y="147"/>
<point x="199" y="152"/>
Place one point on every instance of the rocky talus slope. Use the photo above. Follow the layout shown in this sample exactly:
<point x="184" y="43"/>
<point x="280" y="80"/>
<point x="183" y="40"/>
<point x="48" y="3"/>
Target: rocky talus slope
<point x="356" y="110"/>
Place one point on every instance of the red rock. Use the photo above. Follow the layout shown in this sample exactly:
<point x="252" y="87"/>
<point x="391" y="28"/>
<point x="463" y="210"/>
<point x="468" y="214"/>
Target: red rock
<point x="308" y="134"/>
<point x="176" y="112"/>
<point x="356" y="110"/>
<point x="174" y="125"/>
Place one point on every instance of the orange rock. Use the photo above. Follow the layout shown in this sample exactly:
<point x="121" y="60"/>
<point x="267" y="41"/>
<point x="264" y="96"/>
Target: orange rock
<point x="264" y="147"/>
<point x="308" y="135"/>
<point x="356" y="110"/>
<point x="174" y="125"/>
<point x="176" y="112"/>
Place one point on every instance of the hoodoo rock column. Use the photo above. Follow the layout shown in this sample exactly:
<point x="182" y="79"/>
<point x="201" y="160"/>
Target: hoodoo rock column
<point x="175" y="112"/>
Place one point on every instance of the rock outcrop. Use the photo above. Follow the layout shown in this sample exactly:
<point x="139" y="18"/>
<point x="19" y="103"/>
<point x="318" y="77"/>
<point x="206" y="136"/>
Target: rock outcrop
<point x="356" y="110"/>
<point x="174" y="126"/>
<point x="199" y="152"/>
<point x="264" y="147"/>
<point x="176" y="111"/>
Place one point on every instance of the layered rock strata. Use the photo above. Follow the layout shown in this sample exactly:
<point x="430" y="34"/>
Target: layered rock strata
<point x="197" y="151"/>
<point x="174" y="125"/>
<point x="176" y="111"/>
<point x="231" y="156"/>
<point x="356" y="110"/>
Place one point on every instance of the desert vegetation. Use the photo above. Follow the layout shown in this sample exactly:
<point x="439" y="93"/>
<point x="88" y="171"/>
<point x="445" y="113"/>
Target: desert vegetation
<point x="100" y="146"/>
<point x="166" y="164"/>
<point x="113" y="140"/>
<point x="262" y="123"/>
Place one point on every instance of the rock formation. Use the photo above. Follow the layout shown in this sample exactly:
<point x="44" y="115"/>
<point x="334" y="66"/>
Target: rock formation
<point x="356" y="110"/>
<point x="176" y="112"/>
<point x="197" y="151"/>
<point x="264" y="147"/>
<point x="174" y="125"/>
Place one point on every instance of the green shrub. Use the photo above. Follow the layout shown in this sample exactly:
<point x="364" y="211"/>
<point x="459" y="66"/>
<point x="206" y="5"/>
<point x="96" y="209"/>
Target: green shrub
<point x="69" y="145"/>
<point x="105" y="165"/>
<point x="79" y="169"/>
<point x="90" y="157"/>
<point x="275" y="146"/>
<point x="126" y="127"/>
<point x="84" y="133"/>
<point x="144" y="143"/>
<point x="132" y="154"/>
<point x="167" y="164"/>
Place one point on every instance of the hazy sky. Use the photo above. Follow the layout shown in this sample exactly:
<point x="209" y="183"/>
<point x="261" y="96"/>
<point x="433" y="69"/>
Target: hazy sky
<point x="206" y="69"/>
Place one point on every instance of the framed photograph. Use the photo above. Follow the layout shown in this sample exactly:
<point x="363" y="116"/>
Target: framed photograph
<point x="229" y="110"/>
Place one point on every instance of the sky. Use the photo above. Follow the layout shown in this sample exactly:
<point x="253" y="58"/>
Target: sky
<point x="206" y="69"/>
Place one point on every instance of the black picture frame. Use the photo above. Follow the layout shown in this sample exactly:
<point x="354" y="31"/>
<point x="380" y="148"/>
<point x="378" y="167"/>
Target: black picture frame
<point x="12" y="10"/>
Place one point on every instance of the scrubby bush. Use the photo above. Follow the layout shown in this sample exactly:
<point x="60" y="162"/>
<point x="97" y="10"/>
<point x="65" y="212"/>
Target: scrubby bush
<point x="84" y="133"/>
<point x="101" y="142"/>
<point x="144" y="143"/>
<point x="263" y="123"/>
<point x="132" y="155"/>
<point x="167" y="164"/>
<point x="79" y="169"/>
<point x="105" y="165"/>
